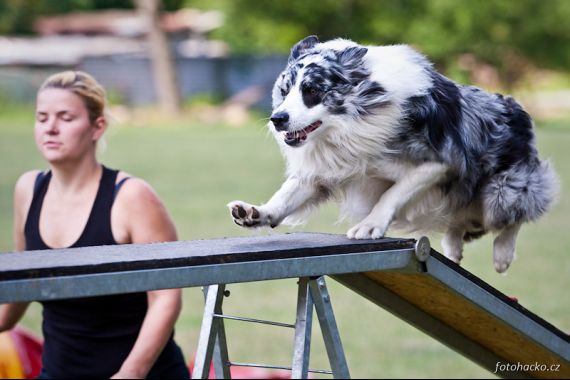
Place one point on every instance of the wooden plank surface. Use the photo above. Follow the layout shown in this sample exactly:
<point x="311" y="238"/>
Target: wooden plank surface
<point x="115" y="258"/>
<point x="476" y="324"/>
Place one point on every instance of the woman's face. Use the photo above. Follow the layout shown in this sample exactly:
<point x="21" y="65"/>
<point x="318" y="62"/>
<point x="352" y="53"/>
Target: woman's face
<point x="63" y="130"/>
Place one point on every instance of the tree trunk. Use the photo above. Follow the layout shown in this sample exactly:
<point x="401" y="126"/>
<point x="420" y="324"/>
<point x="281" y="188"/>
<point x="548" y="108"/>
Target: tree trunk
<point x="163" y="65"/>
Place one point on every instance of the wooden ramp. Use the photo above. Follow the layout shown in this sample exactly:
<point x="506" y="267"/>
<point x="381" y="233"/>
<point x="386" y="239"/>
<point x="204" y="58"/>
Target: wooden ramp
<point x="403" y="276"/>
<point x="468" y="315"/>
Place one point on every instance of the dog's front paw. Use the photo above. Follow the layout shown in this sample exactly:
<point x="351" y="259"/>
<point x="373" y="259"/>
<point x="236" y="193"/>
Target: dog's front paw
<point x="247" y="215"/>
<point x="366" y="230"/>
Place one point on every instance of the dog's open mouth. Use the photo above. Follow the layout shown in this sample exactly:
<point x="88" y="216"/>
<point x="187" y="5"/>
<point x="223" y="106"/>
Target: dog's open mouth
<point x="294" y="138"/>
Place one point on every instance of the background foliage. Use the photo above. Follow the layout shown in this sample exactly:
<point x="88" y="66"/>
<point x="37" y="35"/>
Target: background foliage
<point x="17" y="16"/>
<point x="512" y="36"/>
<point x="509" y="35"/>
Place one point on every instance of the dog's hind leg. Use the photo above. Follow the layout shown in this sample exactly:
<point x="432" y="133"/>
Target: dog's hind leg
<point x="504" y="247"/>
<point x="293" y="195"/>
<point x="452" y="244"/>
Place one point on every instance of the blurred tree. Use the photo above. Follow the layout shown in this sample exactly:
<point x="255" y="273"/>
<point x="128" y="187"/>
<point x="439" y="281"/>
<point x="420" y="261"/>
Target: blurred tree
<point x="17" y="16"/>
<point x="509" y="35"/>
<point x="164" y="69"/>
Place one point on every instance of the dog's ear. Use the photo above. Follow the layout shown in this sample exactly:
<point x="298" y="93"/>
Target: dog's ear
<point x="351" y="56"/>
<point x="305" y="44"/>
<point x="350" y="59"/>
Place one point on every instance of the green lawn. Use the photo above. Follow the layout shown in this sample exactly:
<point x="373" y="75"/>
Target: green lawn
<point x="197" y="169"/>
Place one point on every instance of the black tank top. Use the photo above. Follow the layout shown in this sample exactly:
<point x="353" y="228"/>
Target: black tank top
<point x="89" y="337"/>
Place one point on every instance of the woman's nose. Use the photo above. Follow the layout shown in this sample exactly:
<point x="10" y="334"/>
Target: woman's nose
<point x="51" y="126"/>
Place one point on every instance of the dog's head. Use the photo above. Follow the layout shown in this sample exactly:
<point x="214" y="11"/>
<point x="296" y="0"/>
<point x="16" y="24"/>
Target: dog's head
<point x="322" y="81"/>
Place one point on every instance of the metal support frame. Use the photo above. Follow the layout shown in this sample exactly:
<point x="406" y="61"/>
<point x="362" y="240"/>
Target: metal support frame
<point x="303" y="330"/>
<point x="312" y="294"/>
<point x="213" y="336"/>
<point x="333" y="344"/>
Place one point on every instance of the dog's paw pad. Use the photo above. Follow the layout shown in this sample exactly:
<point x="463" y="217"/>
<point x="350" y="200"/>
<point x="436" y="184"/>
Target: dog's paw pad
<point x="245" y="215"/>
<point x="238" y="212"/>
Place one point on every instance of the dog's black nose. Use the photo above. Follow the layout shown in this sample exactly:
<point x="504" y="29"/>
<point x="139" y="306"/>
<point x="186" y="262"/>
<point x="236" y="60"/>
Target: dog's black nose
<point x="280" y="120"/>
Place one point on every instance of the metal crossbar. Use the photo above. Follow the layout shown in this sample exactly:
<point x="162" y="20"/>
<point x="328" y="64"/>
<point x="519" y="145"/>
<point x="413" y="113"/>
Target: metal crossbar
<point x="267" y="366"/>
<point x="312" y="294"/>
<point x="252" y="320"/>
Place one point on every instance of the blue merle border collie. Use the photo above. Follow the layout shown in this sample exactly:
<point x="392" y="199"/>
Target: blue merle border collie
<point x="401" y="146"/>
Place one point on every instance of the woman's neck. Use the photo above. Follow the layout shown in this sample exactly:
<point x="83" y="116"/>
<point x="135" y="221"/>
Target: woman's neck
<point x="71" y="178"/>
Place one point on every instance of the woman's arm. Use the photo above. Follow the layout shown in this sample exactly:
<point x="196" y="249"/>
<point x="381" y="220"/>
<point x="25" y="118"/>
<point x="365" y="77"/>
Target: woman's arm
<point x="10" y="314"/>
<point x="163" y="309"/>
<point x="146" y="220"/>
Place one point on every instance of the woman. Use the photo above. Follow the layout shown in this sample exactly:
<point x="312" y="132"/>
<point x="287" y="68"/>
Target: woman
<point x="79" y="202"/>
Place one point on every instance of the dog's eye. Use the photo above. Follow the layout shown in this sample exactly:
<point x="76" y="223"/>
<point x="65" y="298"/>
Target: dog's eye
<point x="312" y="95"/>
<point x="312" y="91"/>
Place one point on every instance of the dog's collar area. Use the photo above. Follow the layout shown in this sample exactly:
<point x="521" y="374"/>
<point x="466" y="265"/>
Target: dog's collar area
<point x="294" y="138"/>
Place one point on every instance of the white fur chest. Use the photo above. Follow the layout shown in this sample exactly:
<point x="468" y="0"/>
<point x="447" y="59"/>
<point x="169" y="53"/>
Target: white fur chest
<point x="333" y="165"/>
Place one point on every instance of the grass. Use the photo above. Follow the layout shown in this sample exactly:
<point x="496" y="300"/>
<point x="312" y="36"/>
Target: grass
<point x="197" y="169"/>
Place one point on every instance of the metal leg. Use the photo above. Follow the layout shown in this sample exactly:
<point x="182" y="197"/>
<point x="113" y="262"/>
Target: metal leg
<point x="212" y="340"/>
<point x="312" y="292"/>
<point x="303" y="328"/>
<point x="221" y="359"/>
<point x="333" y="344"/>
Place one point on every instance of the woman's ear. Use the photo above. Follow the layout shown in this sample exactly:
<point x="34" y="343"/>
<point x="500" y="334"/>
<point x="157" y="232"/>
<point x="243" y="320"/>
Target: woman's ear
<point x="100" y="126"/>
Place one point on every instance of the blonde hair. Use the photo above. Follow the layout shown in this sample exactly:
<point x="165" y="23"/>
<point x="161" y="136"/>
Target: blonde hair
<point x="84" y="86"/>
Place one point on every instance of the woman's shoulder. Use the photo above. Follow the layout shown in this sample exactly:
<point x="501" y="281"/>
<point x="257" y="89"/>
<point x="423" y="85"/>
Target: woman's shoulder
<point x="23" y="195"/>
<point x="134" y="190"/>
<point x="25" y="184"/>
<point x="139" y="214"/>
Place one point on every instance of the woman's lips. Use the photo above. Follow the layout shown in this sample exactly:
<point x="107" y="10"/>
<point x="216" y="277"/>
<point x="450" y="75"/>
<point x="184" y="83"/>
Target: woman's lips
<point x="52" y="144"/>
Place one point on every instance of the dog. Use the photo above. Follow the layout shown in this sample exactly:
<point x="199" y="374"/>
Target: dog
<point x="401" y="146"/>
